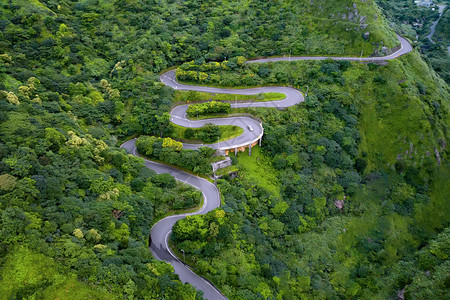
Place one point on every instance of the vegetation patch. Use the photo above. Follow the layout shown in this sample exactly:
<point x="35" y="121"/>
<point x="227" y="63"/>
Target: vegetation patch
<point x="257" y="169"/>
<point x="197" y="135"/>
<point x="359" y="166"/>
<point x="212" y="107"/>
<point x="171" y="152"/>
<point x="27" y="272"/>
<point x="194" y="96"/>
<point x="230" y="132"/>
<point x="227" y="170"/>
<point x="415" y="22"/>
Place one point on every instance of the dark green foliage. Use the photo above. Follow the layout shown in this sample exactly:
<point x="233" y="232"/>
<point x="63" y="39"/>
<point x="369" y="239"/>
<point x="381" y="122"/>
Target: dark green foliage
<point x="197" y="161"/>
<point x="209" y="133"/>
<point x="189" y="133"/>
<point x="415" y="21"/>
<point x="206" y="108"/>
<point x="89" y="206"/>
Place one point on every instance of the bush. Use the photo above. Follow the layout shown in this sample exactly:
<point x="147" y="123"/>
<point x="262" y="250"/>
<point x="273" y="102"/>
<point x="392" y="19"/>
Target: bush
<point x="169" y="151"/>
<point x="209" y="133"/>
<point x="212" y="107"/>
<point x="189" y="133"/>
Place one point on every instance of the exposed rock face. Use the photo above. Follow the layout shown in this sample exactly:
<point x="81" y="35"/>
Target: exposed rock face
<point x="351" y="14"/>
<point x="401" y="294"/>
<point x="339" y="204"/>
<point x="362" y="22"/>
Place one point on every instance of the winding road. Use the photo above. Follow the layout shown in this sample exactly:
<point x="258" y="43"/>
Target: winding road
<point x="179" y="117"/>
<point x="434" y="25"/>
<point x="160" y="232"/>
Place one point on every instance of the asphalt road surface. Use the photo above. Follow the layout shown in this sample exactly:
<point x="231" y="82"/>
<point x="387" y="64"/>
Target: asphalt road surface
<point x="433" y="26"/>
<point x="405" y="47"/>
<point x="179" y="117"/>
<point x="160" y="231"/>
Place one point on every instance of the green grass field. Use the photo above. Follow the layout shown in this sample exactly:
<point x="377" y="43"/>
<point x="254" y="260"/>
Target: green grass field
<point x="393" y="117"/>
<point x="256" y="168"/>
<point x="182" y="211"/>
<point x="24" y="270"/>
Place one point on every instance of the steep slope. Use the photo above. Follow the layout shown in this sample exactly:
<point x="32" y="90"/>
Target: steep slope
<point x="362" y="163"/>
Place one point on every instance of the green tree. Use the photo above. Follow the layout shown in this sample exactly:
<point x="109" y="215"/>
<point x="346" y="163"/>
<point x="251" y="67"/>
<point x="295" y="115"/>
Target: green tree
<point x="209" y="133"/>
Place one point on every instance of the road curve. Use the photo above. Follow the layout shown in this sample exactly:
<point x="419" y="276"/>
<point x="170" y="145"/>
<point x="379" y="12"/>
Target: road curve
<point x="161" y="230"/>
<point x="179" y="117"/>
<point x="405" y="47"/>
<point x="434" y="25"/>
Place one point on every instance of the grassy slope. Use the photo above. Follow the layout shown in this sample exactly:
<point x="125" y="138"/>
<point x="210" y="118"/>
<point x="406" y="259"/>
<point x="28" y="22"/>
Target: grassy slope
<point x="325" y="18"/>
<point x="394" y="117"/>
<point x="182" y="211"/>
<point x="257" y="169"/>
<point x="375" y="130"/>
<point x="26" y="270"/>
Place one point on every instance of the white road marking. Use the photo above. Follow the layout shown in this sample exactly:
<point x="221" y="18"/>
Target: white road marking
<point x="187" y="266"/>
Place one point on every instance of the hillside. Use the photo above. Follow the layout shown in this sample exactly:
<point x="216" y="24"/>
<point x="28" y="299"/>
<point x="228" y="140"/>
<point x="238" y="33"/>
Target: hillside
<point x="353" y="173"/>
<point x="126" y="43"/>
<point x="360" y="165"/>
<point x="415" y="22"/>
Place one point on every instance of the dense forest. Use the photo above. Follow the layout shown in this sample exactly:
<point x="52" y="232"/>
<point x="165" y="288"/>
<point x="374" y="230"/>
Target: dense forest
<point x="353" y="200"/>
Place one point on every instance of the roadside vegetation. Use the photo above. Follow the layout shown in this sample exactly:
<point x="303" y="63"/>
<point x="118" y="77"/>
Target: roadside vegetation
<point x="171" y="152"/>
<point x="361" y="166"/>
<point x="194" y="96"/>
<point x="415" y="21"/>
<point x="208" y="108"/>
<point x="206" y="134"/>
